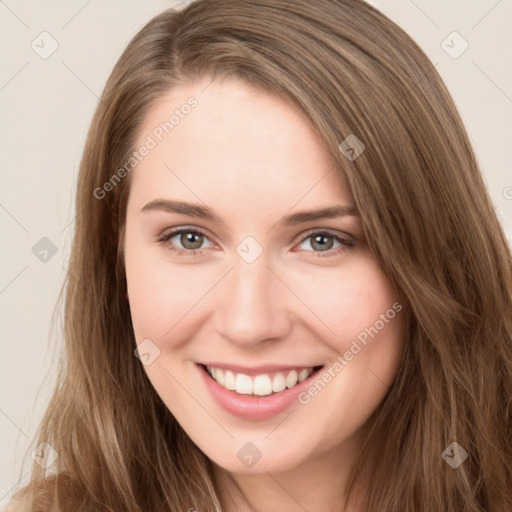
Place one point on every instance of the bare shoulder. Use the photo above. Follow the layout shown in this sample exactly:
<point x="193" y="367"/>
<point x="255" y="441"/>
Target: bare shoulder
<point x="17" y="504"/>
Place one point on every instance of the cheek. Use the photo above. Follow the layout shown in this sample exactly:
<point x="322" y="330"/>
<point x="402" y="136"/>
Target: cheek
<point x="157" y="299"/>
<point x="164" y="296"/>
<point x="149" y="291"/>
<point x="349" y="304"/>
<point x="369" y="325"/>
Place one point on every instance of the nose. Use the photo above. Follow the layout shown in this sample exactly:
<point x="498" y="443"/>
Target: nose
<point x="252" y="304"/>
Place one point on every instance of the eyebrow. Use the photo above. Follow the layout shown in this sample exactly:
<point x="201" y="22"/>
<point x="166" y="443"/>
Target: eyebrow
<point x="203" y="212"/>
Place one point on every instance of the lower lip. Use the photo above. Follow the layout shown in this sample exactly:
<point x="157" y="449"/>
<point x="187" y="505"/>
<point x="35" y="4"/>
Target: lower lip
<point x="251" y="407"/>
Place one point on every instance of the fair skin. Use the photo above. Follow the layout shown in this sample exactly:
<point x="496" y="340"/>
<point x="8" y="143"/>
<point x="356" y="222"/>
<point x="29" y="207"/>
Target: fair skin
<point x="253" y="159"/>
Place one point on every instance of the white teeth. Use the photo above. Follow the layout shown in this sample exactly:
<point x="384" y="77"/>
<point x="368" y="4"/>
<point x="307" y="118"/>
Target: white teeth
<point x="260" y="385"/>
<point x="278" y="383"/>
<point x="229" y="380"/>
<point x="291" y="379"/>
<point x="243" y="384"/>
<point x="220" y="378"/>
<point x="303" y="374"/>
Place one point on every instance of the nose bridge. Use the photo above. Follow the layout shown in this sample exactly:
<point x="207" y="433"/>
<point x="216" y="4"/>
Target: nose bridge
<point x="251" y="305"/>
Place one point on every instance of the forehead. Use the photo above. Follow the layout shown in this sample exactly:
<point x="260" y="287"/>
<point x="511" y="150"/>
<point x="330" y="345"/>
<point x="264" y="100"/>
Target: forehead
<point x="237" y="145"/>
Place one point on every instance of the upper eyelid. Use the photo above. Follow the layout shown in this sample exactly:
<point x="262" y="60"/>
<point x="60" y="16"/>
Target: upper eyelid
<point x="167" y="234"/>
<point x="327" y="231"/>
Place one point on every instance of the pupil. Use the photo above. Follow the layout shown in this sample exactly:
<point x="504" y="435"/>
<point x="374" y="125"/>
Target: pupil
<point x="322" y="246"/>
<point x="189" y="238"/>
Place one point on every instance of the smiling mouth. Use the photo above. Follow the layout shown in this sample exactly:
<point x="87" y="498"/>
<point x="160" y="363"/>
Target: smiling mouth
<point x="260" y="385"/>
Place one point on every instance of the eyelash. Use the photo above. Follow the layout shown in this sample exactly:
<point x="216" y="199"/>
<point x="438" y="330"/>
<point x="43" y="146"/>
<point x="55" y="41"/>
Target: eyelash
<point x="164" y="239"/>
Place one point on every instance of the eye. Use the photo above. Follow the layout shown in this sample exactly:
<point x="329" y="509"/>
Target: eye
<point x="190" y="239"/>
<point x="323" y="241"/>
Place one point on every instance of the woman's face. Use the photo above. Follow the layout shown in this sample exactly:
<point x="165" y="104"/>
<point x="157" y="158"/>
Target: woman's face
<point x="256" y="285"/>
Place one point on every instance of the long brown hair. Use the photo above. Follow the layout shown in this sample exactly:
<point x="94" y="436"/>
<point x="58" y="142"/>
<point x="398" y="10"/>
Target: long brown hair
<point x="428" y="220"/>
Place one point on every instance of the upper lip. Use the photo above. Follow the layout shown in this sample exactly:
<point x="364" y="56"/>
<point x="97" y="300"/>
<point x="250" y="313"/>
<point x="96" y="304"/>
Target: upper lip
<point x="257" y="370"/>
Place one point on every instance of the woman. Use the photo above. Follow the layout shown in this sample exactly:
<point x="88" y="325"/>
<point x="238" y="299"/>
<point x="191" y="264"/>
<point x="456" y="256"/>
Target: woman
<point x="231" y="347"/>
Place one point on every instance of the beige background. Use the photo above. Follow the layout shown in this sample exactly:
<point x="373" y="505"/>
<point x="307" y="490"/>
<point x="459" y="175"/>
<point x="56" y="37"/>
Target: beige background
<point x="46" y="105"/>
